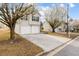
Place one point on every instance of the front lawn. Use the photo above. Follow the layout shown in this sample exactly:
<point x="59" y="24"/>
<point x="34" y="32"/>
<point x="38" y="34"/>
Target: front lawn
<point x="20" y="47"/>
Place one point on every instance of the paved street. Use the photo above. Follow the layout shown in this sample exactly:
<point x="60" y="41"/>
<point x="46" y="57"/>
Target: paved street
<point x="46" y="42"/>
<point x="70" y="50"/>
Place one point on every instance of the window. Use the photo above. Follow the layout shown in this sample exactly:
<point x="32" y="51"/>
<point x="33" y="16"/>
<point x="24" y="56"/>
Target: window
<point x="35" y="18"/>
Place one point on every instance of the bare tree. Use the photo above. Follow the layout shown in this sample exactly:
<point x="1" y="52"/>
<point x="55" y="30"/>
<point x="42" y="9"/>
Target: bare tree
<point x="10" y="13"/>
<point x="55" y="16"/>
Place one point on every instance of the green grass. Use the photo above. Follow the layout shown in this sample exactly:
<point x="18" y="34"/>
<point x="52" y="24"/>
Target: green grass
<point x="20" y="47"/>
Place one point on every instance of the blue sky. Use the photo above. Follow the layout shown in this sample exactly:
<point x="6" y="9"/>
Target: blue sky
<point x="73" y="10"/>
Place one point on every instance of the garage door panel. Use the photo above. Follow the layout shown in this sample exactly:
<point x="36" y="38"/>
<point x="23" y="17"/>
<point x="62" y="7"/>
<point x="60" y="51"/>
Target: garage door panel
<point x="25" y="29"/>
<point x="35" y="29"/>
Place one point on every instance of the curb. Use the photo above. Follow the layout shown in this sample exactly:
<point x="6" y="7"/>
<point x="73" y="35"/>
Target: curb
<point x="40" y="54"/>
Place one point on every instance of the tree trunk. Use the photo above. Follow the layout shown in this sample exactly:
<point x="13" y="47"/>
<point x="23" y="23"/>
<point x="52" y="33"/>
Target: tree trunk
<point x="12" y="33"/>
<point x="53" y="29"/>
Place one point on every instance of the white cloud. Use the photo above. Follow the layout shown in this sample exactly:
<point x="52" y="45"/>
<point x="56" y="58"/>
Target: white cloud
<point x="62" y="5"/>
<point x="71" y="5"/>
<point x="45" y="8"/>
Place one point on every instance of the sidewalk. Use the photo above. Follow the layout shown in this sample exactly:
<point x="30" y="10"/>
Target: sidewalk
<point x="45" y="41"/>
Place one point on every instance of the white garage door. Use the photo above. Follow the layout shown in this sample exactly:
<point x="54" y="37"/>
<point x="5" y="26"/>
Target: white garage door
<point x="35" y="29"/>
<point x="25" y="30"/>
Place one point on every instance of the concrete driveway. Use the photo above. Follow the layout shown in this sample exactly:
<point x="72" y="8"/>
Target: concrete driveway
<point x="45" y="41"/>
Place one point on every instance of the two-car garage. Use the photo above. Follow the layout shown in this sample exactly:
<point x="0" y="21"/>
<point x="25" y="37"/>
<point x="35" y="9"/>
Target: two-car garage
<point x="29" y="29"/>
<point x="25" y="28"/>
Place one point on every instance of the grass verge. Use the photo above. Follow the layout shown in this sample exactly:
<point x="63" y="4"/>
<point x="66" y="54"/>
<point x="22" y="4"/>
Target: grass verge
<point x="63" y="34"/>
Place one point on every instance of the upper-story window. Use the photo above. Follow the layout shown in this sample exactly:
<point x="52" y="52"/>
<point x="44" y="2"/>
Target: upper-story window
<point x="35" y="18"/>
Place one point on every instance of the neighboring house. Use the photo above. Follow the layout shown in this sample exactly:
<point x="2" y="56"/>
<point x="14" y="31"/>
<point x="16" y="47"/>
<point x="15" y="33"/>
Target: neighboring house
<point x="47" y="27"/>
<point x="76" y="26"/>
<point x="61" y="28"/>
<point x="29" y="25"/>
